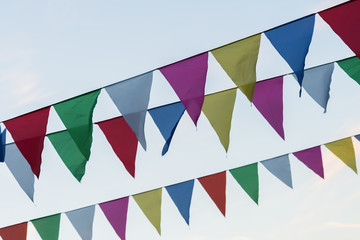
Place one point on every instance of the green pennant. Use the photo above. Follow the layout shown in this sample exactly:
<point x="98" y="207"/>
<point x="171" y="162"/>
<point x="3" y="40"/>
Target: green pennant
<point x="344" y="150"/>
<point x="352" y="67"/>
<point x="239" y="60"/>
<point x="76" y="114"/>
<point x="247" y="177"/>
<point x="69" y="153"/>
<point x="218" y="109"/>
<point x="48" y="227"/>
<point x="150" y="204"/>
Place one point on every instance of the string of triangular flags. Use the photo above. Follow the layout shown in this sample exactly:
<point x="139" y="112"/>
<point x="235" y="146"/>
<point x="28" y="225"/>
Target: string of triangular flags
<point x="150" y="202"/>
<point x="187" y="78"/>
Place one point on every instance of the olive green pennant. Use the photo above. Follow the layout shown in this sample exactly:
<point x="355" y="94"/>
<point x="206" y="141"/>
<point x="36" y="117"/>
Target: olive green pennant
<point x="344" y="150"/>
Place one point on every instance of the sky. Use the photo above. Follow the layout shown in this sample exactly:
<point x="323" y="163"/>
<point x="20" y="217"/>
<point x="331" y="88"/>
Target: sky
<point x="52" y="51"/>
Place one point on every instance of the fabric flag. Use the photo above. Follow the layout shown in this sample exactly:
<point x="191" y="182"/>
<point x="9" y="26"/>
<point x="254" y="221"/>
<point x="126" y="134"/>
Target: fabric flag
<point x="188" y="78"/>
<point x="268" y="99"/>
<point x="20" y="169"/>
<point x="131" y="97"/>
<point x="239" y="60"/>
<point x="14" y="232"/>
<point x="48" y="227"/>
<point x="344" y="150"/>
<point x="122" y="140"/>
<point x="280" y="168"/>
<point x="69" y="153"/>
<point x="181" y="195"/>
<point x="215" y="186"/>
<point x="292" y="41"/>
<point x="247" y="177"/>
<point x="357" y="137"/>
<point x="166" y="119"/>
<point x="116" y="213"/>
<point x="352" y="67"/>
<point x="312" y="159"/>
<point x="28" y="132"/>
<point x="317" y="81"/>
<point x="3" y="145"/>
<point x="82" y="219"/>
<point x="344" y="21"/>
<point x="150" y="204"/>
<point x="76" y="114"/>
<point x="218" y="108"/>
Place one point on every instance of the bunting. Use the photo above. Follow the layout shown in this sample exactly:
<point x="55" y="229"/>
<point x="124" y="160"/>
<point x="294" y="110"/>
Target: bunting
<point x="48" y="227"/>
<point x="215" y="186"/>
<point x="131" y="97"/>
<point x="317" y="81"/>
<point x="344" y="150"/>
<point x="247" y="177"/>
<point x="69" y="152"/>
<point x="188" y="78"/>
<point x="268" y="99"/>
<point x="150" y="204"/>
<point x="28" y="132"/>
<point x="352" y="67"/>
<point x="116" y="213"/>
<point x="292" y="41"/>
<point x="312" y="159"/>
<point x="218" y="108"/>
<point x="122" y="140"/>
<point x="357" y="137"/>
<point x="13" y="232"/>
<point x="181" y="195"/>
<point x="76" y="114"/>
<point x="344" y="21"/>
<point x="280" y="168"/>
<point x="239" y="60"/>
<point x="166" y="119"/>
<point x="2" y="145"/>
<point x="20" y="169"/>
<point x="82" y="220"/>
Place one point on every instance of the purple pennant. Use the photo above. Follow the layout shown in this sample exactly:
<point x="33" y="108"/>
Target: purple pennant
<point x="312" y="159"/>
<point x="188" y="78"/>
<point x="116" y="213"/>
<point x="268" y="99"/>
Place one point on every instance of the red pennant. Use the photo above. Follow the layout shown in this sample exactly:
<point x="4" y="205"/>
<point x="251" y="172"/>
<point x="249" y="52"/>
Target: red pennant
<point x="215" y="186"/>
<point x="122" y="140"/>
<point x="13" y="232"/>
<point x="344" y="21"/>
<point x="28" y="132"/>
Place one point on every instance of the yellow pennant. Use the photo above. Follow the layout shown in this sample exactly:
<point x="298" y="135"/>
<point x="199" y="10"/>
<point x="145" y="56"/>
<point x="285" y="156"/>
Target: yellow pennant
<point x="344" y="150"/>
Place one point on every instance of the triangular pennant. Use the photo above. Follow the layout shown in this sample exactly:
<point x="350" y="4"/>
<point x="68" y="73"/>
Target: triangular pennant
<point x="82" y="219"/>
<point x="247" y="177"/>
<point x="76" y="114"/>
<point x="352" y="67"/>
<point x="131" y="97"/>
<point x="188" y="78"/>
<point x="28" y="132"/>
<point x="181" y="195"/>
<point x="2" y="146"/>
<point x="20" y="169"/>
<point x="215" y="186"/>
<point x="48" y="227"/>
<point x="122" y="140"/>
<point x="292" y="41"/>
<point x="150" y="204"/>
<point x="344" y="150"/>
<point x="357" y="137"/>
<point x="280" y="168"/>
<point x="317" y="82"/>
<point x="268" y="99"/>
<point x="239" y="60"/>
<point x="344" y="21"/>
<point x="14" y="232"/>
<point x="116" y="213"/>
<point x="69" y="153"/>
<point x="166" y="119"/>
<point x="218" y="108"/>
<point x="312" y="159"/>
